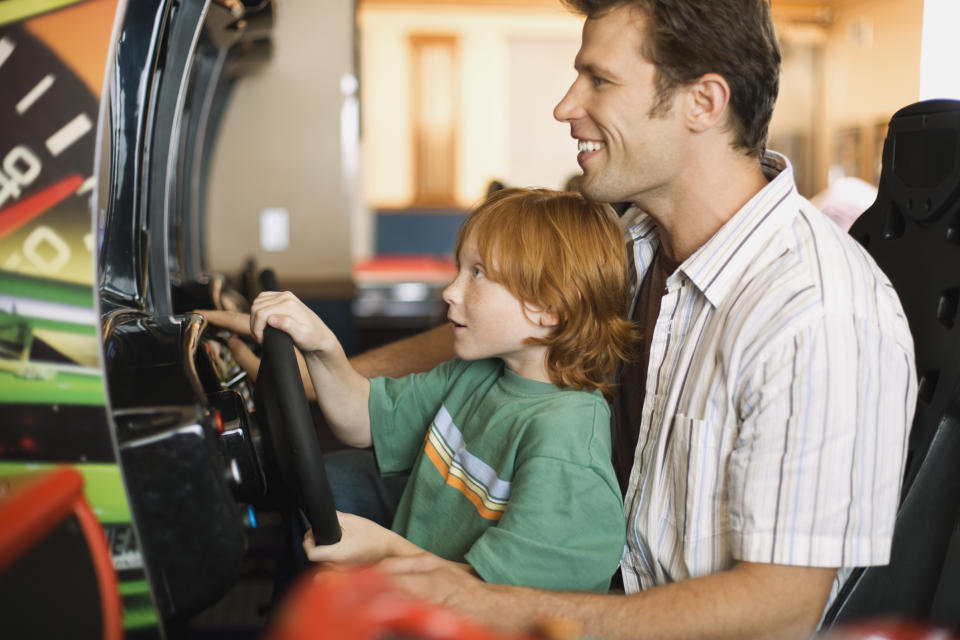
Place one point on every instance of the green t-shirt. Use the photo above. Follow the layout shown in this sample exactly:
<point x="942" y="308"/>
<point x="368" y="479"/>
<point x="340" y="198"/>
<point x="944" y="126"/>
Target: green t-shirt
<point x="506" y="473"/>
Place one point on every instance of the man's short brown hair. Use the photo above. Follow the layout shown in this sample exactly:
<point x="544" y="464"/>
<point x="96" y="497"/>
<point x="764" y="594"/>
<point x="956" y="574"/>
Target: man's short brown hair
<point x="686" y="39"/>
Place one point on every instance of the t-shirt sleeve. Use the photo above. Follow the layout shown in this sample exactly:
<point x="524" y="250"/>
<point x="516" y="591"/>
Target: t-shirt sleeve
<point x="401" y="410"/>
<point x="815" y="478"/>
<point x="564" y="525"/>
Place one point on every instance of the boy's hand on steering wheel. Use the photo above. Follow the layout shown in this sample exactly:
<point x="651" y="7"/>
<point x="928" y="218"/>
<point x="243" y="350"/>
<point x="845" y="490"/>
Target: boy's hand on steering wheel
<point x="284" y="311"/>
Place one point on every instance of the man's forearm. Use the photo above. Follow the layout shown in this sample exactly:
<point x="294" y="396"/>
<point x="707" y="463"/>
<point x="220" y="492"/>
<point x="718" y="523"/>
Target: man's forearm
<point x="421" y="352"/>
<point x="749" y="601"/>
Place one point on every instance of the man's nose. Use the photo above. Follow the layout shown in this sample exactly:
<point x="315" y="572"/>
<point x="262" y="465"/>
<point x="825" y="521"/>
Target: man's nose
<point x="566" y="109"/>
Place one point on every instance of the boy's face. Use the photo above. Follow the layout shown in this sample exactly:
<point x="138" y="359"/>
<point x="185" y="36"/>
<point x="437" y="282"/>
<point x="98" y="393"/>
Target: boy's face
<point x="628" y="150"/>
<point x="488" y="321"/>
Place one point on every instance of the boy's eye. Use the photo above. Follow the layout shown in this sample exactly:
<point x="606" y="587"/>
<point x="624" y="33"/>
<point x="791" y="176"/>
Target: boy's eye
<point x="477" y="272"/>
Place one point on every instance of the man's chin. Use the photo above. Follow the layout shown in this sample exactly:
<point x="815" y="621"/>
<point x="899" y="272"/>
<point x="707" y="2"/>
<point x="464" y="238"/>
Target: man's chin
<point x="597" y="193"/>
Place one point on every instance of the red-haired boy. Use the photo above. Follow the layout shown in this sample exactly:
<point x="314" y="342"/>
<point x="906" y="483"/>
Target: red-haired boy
<point x="507" y="445"/>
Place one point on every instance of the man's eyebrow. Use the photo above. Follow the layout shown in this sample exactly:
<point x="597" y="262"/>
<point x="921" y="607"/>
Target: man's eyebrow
<point x="595" y="70"/>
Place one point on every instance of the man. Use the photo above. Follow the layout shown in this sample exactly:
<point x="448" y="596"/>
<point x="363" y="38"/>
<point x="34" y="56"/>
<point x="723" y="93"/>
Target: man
<point x="767" y="446"/>
<point x="762" y="436"/>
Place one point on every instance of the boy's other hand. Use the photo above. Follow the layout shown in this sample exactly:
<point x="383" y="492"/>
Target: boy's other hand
<point x="234" y="321"/>
<point x="239" y="325"/>
<point x="363" y="542"/>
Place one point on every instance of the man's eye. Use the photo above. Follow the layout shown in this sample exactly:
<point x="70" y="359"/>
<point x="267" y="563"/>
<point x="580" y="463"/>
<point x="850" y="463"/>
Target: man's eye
<point x="597" y="80"/>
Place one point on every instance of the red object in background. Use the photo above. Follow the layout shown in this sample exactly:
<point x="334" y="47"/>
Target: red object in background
<point x="33" y="505"/>
<point x="892" y="629"/>
<point x="359" y="604"/>
<point x="386" y="269"/>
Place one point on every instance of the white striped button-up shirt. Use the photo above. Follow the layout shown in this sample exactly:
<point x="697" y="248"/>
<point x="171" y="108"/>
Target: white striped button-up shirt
<point x="779" y="395"/>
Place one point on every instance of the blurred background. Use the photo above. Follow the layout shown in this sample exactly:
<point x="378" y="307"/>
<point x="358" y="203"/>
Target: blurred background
<point x="369" y="127"/>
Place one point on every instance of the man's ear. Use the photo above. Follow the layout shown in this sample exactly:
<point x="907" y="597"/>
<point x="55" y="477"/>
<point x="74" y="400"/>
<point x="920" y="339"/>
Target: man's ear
<point x="709" y="97"/>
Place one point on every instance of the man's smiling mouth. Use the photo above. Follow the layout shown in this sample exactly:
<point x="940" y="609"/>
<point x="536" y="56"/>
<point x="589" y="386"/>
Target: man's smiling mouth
<point x="590" y="145"/>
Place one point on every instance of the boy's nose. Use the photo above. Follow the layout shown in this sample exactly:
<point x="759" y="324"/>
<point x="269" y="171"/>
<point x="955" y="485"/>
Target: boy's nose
<point x="449" y="294"/>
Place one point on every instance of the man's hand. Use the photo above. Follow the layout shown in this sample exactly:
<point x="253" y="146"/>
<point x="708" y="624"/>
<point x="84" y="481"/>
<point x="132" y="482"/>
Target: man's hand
<point x="430" y="578"/>
<point x="363" y="542"/>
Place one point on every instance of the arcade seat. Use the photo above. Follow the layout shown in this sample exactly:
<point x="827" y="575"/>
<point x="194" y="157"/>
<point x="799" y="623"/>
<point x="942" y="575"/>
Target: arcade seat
<point x="56" y="576"/>
<point x="889" y="630"/>
<point x="912" y="230"/>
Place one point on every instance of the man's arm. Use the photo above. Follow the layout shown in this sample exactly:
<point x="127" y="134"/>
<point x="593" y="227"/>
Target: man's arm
<point x="748" y="601"/>
<point x="421" y="352"/>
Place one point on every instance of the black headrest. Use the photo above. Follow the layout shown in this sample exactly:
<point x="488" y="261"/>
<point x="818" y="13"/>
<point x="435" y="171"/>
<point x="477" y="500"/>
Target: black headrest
<point x="921" y="160"/>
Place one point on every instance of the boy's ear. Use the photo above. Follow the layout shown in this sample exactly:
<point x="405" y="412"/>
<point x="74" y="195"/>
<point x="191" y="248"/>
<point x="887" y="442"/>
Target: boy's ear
<point x="548" y="318"/>
<point x="541" y="317"/>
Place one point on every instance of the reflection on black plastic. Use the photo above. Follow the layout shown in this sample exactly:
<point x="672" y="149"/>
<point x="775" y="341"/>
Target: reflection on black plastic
<point x="893" y="226"/>
<point x="928" y="385"/>
<point x="947" y="306"/>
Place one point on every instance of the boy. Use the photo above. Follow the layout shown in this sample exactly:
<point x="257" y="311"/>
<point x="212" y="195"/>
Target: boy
<point x="508" y="445"/>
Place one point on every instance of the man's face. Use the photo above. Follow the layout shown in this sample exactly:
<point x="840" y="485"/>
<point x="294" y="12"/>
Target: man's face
<point x="626" y="153"/>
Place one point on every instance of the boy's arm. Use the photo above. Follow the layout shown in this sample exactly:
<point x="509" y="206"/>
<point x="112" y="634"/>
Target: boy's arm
<point x="343" y="394"/>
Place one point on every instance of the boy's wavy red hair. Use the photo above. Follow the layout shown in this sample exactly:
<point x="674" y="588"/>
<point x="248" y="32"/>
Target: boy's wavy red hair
<point x="558" y="252"/>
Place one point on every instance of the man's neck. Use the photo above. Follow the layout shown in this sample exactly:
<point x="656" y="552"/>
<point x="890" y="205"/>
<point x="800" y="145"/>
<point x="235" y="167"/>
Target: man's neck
<point x="710" y="192"/>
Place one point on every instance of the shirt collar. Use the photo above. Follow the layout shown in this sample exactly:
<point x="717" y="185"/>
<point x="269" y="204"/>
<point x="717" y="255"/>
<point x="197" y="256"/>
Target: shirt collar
<point x="717" y="265"/>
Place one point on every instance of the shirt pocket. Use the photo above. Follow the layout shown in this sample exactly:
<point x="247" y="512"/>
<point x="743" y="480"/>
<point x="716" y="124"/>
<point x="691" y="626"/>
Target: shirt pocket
<point x="696" y="480"/>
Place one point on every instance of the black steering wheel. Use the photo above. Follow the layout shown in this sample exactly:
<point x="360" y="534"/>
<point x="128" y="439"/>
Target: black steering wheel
<point x="292" y="437"/>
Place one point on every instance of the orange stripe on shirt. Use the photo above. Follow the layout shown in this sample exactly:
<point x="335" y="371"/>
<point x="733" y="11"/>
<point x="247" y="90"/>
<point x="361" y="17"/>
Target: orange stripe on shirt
<point x="459" y="484"/>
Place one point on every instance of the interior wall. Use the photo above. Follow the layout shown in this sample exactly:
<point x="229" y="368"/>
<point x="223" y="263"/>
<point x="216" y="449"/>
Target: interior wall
<point x="288" y="139"/>
<point x="798" y="105"/>
<point x="490" y="144"/>
<point x="540" y="151"/>
<point x="871" y="69"/>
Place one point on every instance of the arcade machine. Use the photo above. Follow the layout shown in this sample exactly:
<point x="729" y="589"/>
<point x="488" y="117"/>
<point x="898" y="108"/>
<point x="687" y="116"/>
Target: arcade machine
<point x="53" y="405"/>
<point x="111" y="106"/>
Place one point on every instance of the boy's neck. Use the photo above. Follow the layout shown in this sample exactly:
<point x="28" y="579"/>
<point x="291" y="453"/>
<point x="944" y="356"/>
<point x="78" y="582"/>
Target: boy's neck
<point x="531" y="363"/>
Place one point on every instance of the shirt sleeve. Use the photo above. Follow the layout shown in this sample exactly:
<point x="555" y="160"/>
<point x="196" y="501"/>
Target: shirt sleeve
<point x="400" y="412"/>
<point x="815" y="477"/>
<point x="564" y="526"/>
